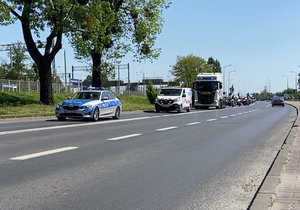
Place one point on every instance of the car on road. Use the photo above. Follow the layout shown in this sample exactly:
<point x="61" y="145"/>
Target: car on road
<point x="90" y="104"/>
<point x="174" y="98"/>
<point x="277" y="100"/>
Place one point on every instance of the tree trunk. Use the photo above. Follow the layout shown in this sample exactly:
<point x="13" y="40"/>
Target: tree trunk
<point x="46" y="92"/>
<point x="96" y="72"/>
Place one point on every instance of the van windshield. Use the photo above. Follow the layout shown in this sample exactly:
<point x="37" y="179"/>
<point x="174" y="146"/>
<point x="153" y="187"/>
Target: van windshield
<point x="170" y="92"/>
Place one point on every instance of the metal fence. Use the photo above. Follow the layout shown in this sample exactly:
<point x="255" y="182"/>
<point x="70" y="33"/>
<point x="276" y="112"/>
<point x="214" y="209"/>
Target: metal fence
<point x="34" y="86"/>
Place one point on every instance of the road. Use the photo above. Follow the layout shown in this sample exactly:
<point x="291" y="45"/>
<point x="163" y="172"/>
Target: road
<point x="204" y="159"/>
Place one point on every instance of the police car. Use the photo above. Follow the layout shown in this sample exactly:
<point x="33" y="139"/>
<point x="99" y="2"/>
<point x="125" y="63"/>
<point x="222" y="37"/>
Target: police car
<point x="91" y="103"/>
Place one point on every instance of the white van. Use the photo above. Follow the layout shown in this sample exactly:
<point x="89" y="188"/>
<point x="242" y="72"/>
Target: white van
<point x="174" y="99"/>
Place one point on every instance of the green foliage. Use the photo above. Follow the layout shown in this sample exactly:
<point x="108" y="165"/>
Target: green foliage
<point x="107" y="30"/>
<point x="17" y="99"/>
<point x="187" y="67"/>
<point x="131" y="103"/>
<point x="36" y="17"/>
<point x="18" y="68"/>
<point x="151" y="93"/>
<point x="214" y="65"/>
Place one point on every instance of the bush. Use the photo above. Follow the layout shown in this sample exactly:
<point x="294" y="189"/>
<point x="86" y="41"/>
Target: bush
<point x="151" y="93"/>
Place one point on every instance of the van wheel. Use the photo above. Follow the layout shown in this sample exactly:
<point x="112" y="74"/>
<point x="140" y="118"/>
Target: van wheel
<point x="189" y="109"/>
<point x="179" y="109"/>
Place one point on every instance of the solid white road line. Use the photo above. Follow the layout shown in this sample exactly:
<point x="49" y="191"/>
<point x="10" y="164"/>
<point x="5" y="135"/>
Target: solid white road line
<point x="193" y="123"/>
<point x="73" y="125"/>
<point x="39" y="154"/>
<point x="124" y="137"/>
<point x="167" y="128"/>
<point x="210" y="120"/>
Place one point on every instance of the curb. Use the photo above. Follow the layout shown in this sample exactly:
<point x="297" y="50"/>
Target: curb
<point x="265" y="194"/>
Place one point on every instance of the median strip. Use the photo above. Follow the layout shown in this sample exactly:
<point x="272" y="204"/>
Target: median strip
<point x="39" y="154"/>
<point x="124" y="137"/>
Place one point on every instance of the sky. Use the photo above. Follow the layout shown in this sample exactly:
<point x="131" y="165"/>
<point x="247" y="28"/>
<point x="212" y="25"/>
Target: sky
<point x="258" y="41"/>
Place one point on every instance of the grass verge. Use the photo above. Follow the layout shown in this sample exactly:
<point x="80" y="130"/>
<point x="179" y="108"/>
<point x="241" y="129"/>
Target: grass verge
<point x="14" y="104"/>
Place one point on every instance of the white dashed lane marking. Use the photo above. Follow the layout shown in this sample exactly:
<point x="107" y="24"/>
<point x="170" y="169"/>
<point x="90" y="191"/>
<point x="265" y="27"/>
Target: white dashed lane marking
<point x="210" y="120"/>
<point x="124" y="137"/>
<point x="167" y="128"/>
<point x="224" y="117"/>
<point x="39" y="154"/>
<point x="193" y="123"/>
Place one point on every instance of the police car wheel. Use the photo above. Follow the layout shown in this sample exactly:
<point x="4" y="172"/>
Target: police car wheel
<point x="96" y="114"/>
<point x="61" y="118"/>
<point x="117" y="113"/>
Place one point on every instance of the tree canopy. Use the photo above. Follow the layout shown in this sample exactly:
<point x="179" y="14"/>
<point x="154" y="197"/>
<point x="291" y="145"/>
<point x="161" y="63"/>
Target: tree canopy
<point x="214" y="65"/>
<point x="104" y="31"/>
<point x="188" y="67"/>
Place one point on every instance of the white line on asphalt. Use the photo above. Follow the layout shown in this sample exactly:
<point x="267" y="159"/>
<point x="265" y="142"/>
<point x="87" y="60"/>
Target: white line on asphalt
<point x="39" y="154"/>
<point x="210" y="120"/>
<point x="193" y="123"/>
<point x="240" y="113"/>
<point x="167" y="128"/>
<point x="246" y="112"/>
<point x="73" y="125"/>
<point x="233" y="115"/>
<point x="124" y="137"/>
<point x="224" y="117"/>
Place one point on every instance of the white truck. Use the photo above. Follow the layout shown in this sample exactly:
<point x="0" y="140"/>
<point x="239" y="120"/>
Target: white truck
<point x="208" y="91"/>
<point x="174" y="99"/>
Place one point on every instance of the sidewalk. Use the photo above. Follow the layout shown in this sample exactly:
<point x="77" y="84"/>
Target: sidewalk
<point x="281" y="187"/>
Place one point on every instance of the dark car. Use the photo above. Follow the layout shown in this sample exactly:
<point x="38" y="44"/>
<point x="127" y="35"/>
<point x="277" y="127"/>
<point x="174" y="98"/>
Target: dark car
<point x="277" y="100"/>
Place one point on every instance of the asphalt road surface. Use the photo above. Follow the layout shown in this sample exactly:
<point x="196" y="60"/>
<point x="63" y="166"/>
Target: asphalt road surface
<point x="204" y="159"/>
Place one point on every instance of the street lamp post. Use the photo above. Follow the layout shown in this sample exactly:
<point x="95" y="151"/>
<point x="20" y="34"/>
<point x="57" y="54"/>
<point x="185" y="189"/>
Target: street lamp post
<point x="295" y="79"/>
<point x="287" y="81"/>
<point x="269" y="84"/>
<point x="228" y="83"/>
<point x="224" y="74"/>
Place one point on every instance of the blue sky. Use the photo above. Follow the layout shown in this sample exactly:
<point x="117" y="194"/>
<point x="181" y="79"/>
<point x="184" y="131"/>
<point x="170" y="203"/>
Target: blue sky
<point x="259" y="38"/>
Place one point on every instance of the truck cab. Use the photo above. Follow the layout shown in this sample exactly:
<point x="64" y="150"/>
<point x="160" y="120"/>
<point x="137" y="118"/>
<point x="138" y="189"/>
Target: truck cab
<point x="174" y="99"/>
<point x="209" y="91"/>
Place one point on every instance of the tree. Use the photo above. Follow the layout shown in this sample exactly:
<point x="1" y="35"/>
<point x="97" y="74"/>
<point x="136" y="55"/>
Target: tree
<point x="106" y="30"/>
<point x="187" y="68"/>
<point x="18" y="68"/>
<point x="151" y="93"/>
<point x="36" y="16"/>
<point x="214" y="65"/>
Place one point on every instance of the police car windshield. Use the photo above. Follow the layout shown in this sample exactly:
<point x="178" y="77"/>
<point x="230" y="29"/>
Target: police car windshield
<point x="87" y="95"/>
<point x="170" y="92"/>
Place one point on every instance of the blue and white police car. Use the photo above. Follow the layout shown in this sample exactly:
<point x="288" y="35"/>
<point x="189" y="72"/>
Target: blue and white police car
<point x="90" y="104"/>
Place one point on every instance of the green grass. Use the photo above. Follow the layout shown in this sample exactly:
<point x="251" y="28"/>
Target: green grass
<point x="14" y="104"/>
